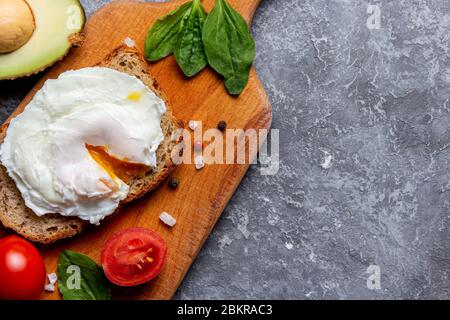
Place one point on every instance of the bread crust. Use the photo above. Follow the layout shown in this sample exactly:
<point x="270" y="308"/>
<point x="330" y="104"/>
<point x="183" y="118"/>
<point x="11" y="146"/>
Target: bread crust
<point x="50" y="228"/>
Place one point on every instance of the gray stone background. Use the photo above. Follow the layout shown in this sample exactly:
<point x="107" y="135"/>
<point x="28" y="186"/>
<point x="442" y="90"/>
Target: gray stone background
<point x="364" y="179"/>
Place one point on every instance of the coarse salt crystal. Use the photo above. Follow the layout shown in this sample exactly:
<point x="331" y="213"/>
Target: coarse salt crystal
<point x="193" y="124"/>
<point x="199" y="164"/>
<point x="129" y="42"/>
<point x="167" y="219"/>
<point x="52" y="278"/>
<point x="50" y="287"/>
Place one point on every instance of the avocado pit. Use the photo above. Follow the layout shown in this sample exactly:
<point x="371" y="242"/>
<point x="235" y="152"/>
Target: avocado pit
<point x="16" y="24"/>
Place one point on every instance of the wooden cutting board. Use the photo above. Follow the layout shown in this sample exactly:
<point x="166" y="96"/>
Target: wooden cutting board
<point x="202" y="195"/>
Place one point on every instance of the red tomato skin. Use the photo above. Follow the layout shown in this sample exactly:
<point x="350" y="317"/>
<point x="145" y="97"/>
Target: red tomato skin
<point x="108" y="263"/>
<point x="22" y="269"/>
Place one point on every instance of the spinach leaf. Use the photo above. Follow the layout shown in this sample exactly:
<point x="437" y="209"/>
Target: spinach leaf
<point x="189" y="51"/>
<point x="229" y="47"/>
<point x="80" y="278"/>
<point x="163" y="36"/>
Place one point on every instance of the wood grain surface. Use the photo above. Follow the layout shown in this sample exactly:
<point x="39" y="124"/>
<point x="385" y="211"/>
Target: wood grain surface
<point x="202" y="195"/>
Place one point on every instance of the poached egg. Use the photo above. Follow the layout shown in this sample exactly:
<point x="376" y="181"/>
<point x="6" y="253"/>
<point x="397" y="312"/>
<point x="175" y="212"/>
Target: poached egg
<point x="80" y="139"/>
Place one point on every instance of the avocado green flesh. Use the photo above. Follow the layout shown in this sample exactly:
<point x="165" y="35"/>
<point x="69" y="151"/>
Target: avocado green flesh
<point x="56" y="21"/>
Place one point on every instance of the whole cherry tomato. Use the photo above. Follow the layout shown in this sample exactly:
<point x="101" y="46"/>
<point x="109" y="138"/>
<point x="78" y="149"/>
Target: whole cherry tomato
<point x="22" y="269"/>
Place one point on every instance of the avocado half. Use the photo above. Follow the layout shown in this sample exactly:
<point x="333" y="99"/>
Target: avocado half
<point x="58" y="24"/>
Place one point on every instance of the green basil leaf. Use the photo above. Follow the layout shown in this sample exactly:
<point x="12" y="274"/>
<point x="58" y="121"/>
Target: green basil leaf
<point x="229" y="47"/>
<point x="163" y="36"/>
<point x="189" y="51"/>
<point x="80" y="278"/>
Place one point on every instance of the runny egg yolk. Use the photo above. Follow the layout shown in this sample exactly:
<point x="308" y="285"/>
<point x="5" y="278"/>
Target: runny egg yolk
<point x="116" y="168"/>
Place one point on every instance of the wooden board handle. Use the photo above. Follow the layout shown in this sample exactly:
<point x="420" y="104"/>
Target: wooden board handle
<point x="247" y="8"/>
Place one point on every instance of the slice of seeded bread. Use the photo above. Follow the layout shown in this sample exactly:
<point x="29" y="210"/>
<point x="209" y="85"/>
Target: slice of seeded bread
<point x="50" y="228"/>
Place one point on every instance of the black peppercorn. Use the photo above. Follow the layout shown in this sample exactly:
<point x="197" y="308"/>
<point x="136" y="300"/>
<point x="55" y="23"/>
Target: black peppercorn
<point x="222" y="125"/>
<point x="173" y="183"/>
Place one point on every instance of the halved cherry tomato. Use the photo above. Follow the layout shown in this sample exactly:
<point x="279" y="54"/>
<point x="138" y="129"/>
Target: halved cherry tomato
<point x="22" y="269"/>
<point x="133" y="256"/>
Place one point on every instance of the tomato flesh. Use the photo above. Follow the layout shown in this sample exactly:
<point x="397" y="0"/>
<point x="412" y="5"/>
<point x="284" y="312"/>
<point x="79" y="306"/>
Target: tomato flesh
<point x="133" y="256"/>
<point x="22" y="269"/>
